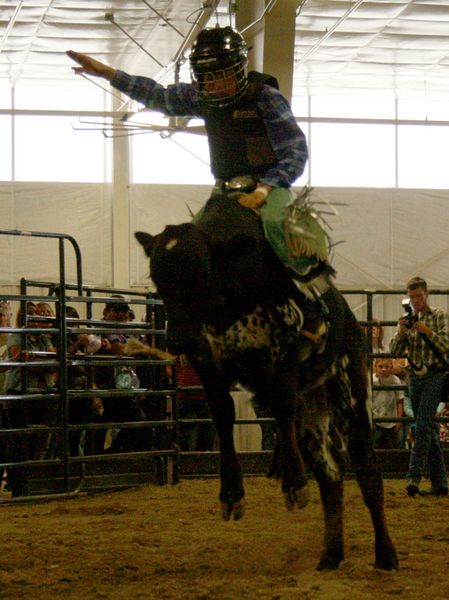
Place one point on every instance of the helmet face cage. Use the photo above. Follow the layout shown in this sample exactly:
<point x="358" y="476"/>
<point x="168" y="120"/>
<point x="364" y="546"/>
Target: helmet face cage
<point x="218" y="64"/>
<point x="221" y="87"/>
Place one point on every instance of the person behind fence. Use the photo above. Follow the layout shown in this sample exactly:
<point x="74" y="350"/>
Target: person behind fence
<point x="376" y="337"/>
<point x="79" y="378"/>
<point x="117" y="408"/>
<point x="5" y="321"/>
<point x="21" y="413"/>
<point x="45" y="309"/>
<point x="192" y="404"/>
<point x="255" y="144"/>
<point x="443" y="411"/>
<point x="401" y="370"/>
<point x="156" y="407"/>
<point x="386" y="404"/>
<point x="423" y="334"/>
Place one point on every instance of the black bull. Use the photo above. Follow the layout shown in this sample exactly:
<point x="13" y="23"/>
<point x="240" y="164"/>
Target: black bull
<point x="233" y="310"/>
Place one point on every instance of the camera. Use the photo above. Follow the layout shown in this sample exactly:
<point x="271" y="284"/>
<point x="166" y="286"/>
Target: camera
<point x="409" y="316"/>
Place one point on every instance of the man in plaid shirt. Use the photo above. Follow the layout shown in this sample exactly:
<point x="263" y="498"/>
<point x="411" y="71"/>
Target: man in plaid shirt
<point x="425" y="384"/>
<point x="250" y="128"/>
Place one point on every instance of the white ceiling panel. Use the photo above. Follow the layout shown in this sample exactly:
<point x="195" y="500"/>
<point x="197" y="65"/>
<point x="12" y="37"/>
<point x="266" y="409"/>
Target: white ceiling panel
<point x="395" y="48"/>
<point x="398" y="49"/>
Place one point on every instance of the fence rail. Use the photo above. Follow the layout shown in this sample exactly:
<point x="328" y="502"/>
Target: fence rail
<point x="60" y="470"/>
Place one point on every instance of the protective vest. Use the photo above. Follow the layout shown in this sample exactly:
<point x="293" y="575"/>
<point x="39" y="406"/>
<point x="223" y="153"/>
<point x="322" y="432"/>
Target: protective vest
<point x="238" y="139"/>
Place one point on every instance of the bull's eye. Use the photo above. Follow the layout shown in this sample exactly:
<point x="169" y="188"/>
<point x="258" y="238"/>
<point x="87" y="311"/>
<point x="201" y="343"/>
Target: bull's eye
<point x="171" y="244"/>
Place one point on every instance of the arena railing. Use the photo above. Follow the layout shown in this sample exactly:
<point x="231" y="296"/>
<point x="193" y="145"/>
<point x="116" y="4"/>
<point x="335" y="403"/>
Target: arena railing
<point x="99" y="471"/>
<point x="62" y="478"/>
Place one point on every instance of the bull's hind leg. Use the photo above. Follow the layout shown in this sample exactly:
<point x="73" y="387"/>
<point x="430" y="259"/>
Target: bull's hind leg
<point x="332" y="501"/>
<point x="325" y="462"/>
<point x="368" y="475"/>
<point x="318" y="455"/>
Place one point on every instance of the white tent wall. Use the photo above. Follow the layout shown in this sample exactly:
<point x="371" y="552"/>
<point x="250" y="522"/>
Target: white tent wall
<point x="152" y="207"/>
<point x="388" y="235"/>
<point x="82" y="211"/>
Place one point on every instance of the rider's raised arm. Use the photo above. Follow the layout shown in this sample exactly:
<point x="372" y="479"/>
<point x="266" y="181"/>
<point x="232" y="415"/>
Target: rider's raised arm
<point x="179" y="99"/>
<point x="174" y="100"/>
<point x="90" y="66"/>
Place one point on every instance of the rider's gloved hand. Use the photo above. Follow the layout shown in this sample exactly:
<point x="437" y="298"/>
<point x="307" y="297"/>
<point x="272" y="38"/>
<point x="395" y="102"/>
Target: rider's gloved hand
<point x="255" y="199"/>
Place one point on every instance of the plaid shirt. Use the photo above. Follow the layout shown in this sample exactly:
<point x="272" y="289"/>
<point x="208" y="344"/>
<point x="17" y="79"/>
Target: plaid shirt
<point x="287" y="139"/>
<point x="416" y="348"/>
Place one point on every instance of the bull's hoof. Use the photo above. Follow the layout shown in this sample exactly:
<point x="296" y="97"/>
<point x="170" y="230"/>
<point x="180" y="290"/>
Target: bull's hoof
<point x="387" y="561"/>
<point x="298" y="498"/>
<point x="233" y="509"/>
<point x="329" y="562"/>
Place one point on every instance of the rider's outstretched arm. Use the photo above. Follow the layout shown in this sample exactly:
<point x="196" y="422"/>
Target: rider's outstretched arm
<point x="91" y="66"/>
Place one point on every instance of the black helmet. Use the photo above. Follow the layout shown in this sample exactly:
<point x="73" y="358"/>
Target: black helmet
<point x="218" y="54"/>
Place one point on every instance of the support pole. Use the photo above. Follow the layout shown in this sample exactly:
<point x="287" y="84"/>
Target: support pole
<point x="272" y="39"/>
<point x="120" y="209"/>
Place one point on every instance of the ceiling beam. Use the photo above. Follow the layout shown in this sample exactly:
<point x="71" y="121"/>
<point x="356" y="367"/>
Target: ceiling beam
<point x="272" y="39"/>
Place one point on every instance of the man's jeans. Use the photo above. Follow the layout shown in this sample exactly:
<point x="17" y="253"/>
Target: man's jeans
<point x="425" y="394"/>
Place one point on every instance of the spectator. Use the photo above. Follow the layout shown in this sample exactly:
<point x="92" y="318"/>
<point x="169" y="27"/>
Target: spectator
<point x="79" y="378"/>
<point x="423" y="333"/>
<point x="22" y="413"/>
<point x="153" y="377"/>
<point x="44" y="309"/>
<point x="400" y="369"/>
<point x="377" y="336"/>
<point x="443" y="411"/>
<point x="386" y="404"/>
<point x="5" y="321"/>
<point x="119" y="408"/>
<point x="192" y="404"/>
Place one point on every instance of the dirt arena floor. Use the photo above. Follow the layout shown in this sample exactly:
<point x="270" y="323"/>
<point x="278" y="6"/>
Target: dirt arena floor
<point x="170" y="543"/>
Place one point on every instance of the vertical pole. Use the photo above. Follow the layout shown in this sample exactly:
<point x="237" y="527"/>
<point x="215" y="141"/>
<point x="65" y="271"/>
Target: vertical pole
<point x="272" y="39"/>
<point x="120" y="209"/>
<point x="63" y="375"/>
<point x="278" y="58"/>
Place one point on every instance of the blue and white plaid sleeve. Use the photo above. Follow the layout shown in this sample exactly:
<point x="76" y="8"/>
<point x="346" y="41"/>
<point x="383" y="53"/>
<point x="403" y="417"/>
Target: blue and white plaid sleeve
<point x="176" y="100"/>
<point x="287" y="139"/>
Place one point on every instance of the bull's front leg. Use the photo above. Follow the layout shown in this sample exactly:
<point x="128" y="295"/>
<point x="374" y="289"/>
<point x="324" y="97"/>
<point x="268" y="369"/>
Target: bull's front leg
<point x="231" y="492"/>
<point x="292" y="469"/>
<point x="293" y="475"/>
<point x="369" y="478"/>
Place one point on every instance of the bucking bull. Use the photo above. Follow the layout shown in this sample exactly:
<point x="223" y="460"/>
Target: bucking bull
<point x="233" y="309"/>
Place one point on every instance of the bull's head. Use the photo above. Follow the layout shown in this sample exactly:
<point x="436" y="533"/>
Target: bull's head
<point x="181" y="269"/>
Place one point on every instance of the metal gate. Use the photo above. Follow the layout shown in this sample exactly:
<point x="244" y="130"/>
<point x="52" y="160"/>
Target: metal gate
<point x="60" y="471"/>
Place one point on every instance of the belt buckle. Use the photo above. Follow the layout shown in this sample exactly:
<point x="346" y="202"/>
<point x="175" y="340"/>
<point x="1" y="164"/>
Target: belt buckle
<point x="421" y="372"/>
<point x="241" y="183"/>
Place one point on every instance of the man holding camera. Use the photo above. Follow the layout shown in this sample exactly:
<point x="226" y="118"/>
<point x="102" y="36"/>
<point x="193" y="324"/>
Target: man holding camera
<point x="423" y="335"/>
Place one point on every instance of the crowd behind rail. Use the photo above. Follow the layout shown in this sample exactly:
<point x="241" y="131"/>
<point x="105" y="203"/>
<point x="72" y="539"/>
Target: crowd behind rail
<point x="119" y="392"/>
<point x="114" y="396"/>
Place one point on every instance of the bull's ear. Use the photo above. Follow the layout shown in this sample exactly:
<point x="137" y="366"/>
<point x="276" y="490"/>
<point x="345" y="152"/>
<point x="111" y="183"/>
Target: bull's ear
<point x="146" y="240"/>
